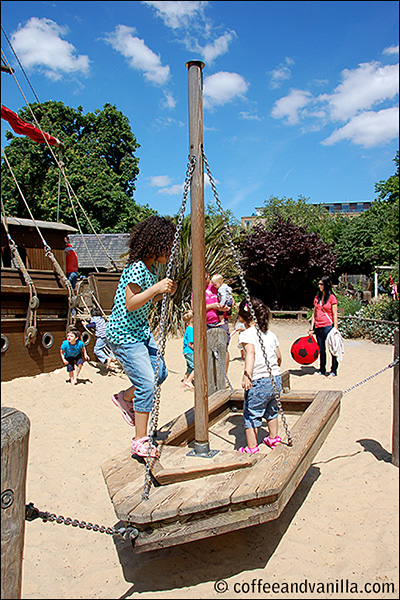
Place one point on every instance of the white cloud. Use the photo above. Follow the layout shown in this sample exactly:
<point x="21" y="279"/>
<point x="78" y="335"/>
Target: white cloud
<point x="169" y="100"/>
<point x="391" y="50"/>
<point x="174" y="190"/>
<point x="160" y="181"/>
<point x="289" y="107"/>
<point x="223" y="87"/>
<point x="177" y="14"/>
<point x="355" y="102"/>
<point x="220" y="46"/>
<point x="281" y="73"/>
<point x="368" y="129"/>
<point x="138" y="55"/>
<point x="362" y="88"/>
<point x="39" y="44"/>
<point x="248" y="116"/>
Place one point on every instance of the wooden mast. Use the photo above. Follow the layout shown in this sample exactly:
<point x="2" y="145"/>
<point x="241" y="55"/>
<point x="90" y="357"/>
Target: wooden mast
<point x="198" y="256"/>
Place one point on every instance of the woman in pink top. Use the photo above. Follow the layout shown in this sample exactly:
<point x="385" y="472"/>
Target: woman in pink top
<point x="324" y="318"/>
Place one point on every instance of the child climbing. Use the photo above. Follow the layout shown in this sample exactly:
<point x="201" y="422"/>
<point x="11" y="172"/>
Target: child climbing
<point x="188" y="350"/>
<point x="225" y="297"/>
<point x="259" y="397"/>
<point x="128" y="331"/>
<point x="73" y="353"/>
<point x="98" y="323"/>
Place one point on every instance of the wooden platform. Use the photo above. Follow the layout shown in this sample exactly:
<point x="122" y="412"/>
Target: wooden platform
<point x="182" y="511"/>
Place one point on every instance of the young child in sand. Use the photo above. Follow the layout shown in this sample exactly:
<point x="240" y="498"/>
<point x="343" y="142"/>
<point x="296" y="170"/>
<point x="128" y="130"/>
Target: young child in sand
<point x="71" y="351"/>
<point x="128" y="330"/>
<point x="188" y="350"/>
<point x="98" y="323"/>
<point x="225" y="297"/>
<point x="259" y="397"/>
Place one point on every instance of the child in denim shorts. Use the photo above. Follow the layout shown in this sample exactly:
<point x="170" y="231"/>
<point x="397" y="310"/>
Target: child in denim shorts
<point x="259" y="396"/>
<point x="128" y="330"/>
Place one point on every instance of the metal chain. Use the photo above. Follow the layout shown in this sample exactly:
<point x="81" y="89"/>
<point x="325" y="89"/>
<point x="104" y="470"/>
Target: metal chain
<point x="162" y="333"/>
<point x="32" y="513"/>
<point x="356" y="385"/>
<point x="247" y="296"/>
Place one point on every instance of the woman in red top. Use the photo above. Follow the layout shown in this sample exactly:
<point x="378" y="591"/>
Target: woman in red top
<point x="324" y="318"/>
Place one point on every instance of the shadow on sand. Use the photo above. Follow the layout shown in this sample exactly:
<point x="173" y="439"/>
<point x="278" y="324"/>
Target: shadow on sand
<point x="210" y="559"/>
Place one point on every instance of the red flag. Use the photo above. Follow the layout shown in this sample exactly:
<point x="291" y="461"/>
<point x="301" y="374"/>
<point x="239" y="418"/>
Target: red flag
<point x="24" y="128"/>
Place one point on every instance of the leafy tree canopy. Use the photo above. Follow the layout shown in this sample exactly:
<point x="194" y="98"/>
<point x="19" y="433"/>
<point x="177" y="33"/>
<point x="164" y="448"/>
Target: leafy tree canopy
<point x="373" y="238"/>
<point x="313" y="217"/>
<point x="283" y="261"/>
<point x="100" y="164"/>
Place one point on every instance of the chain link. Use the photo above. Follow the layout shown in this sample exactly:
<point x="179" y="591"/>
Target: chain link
<point x="162" y="333"/>
<point x="247" y="295"/>
<point x="356" y="385"/>
<point x="32" y="513"/>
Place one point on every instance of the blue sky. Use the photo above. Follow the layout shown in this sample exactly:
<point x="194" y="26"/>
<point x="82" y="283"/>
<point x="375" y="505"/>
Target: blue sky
<point x="300" y="98"/>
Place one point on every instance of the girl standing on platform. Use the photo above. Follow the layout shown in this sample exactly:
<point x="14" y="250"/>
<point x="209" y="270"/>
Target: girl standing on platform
<point x="128" y="330"/>
<point x="259" y="396"/>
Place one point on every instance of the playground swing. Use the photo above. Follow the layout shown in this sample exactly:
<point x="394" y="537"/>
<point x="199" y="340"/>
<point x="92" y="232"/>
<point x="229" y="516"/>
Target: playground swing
<point x="200" y="492"/>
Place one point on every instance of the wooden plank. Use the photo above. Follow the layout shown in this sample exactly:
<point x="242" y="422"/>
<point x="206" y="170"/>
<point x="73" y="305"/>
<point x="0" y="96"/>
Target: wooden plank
<point x="308" y="429"/>
<point x="176" y="465"/>
<point x="266" y="480"/>
<point x="208" y="526"/>
<point x="181" y="429"/>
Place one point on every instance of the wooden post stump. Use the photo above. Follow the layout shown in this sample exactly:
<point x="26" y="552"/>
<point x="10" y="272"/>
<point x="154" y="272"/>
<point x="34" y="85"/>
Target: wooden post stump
<point x="15" y="427"/>
<point x="395" y="430"/>
<point x="216" y="339"/>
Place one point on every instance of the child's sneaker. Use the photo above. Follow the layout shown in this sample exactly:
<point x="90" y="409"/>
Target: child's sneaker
<point x="272" y="442"/>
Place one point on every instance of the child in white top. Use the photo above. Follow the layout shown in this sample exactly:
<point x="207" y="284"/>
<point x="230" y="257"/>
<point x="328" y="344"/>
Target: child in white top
<point x="259" y="396"/>
<point x="225" y="297"/>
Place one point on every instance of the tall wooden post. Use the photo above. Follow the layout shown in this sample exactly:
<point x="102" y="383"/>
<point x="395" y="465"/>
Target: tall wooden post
<point x="198" y="256"/>
<point x="395" y="425"/>
<point x="14" y="457"/>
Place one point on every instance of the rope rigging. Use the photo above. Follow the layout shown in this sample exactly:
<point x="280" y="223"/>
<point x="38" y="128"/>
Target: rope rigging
<point x="60" y="165"/>
<point x="31" y="330"/>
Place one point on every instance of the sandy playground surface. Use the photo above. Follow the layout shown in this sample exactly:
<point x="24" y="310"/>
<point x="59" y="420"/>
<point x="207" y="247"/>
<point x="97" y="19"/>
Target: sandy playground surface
<point x="339" y="528"/>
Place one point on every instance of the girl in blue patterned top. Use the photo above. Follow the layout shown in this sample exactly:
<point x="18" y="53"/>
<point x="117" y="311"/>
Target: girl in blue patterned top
<point x="128" y="330"/>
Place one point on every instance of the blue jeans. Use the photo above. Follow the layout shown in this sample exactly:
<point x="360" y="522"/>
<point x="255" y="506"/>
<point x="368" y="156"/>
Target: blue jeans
<point x="99" y="346"/>
<point x="260" y="402"/>
<point x="139" y="361"/>
<point x="321" y="333"/>
<point x="73" y="278"/>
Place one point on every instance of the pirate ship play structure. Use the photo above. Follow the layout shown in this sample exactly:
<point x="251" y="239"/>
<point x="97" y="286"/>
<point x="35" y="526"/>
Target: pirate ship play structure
<point x="199" y="492"/>
<point x="38" y="302"/>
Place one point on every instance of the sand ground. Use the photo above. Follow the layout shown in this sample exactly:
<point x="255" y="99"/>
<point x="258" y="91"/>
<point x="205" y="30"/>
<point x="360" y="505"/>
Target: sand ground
<point x="339" y="528"/>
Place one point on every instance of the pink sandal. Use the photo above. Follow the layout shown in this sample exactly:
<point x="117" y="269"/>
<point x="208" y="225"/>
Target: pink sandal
<point x="247" y="450"/>
<point x="272" y="442"/>
<point x="140" y="449"/>
<point x="125" y="407"/>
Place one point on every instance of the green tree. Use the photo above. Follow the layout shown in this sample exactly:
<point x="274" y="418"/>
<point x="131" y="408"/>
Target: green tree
<point x="100" y="164"/>
<point x="373" y="238"/>
<point x="313" y="217"/>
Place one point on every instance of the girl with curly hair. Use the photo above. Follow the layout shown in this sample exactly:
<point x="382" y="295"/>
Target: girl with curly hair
<point x="259" y="397"/>
<point x="128" y="330"/>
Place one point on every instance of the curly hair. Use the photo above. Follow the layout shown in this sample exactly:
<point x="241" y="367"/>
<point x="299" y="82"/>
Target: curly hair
<point x="152" y="237"/>
<point x="263" y="313"/>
